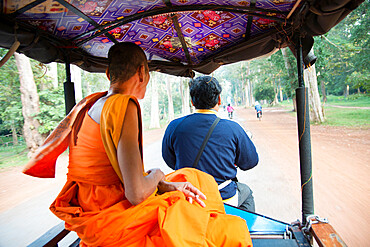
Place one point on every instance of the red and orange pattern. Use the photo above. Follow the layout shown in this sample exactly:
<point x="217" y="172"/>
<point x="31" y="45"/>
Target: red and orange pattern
<point x="205" y="31"/>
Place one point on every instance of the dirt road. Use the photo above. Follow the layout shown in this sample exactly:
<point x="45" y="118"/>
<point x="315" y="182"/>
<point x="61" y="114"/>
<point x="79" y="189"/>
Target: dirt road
<point x="341" y="170"/>
<point x="341" y="159"/>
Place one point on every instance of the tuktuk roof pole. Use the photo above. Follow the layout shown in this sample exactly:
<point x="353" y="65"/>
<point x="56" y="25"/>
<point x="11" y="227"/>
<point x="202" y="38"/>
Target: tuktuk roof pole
<point x="69" y="88"/>
<point x="304" y="135"/>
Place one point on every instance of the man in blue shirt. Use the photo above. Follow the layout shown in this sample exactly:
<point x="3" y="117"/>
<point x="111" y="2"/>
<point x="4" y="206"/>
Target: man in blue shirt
<point x="228" y="146"/>
<point x="258" y="109"/>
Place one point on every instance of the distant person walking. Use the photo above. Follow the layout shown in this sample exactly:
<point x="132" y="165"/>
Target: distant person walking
<point x="230" y="111"/>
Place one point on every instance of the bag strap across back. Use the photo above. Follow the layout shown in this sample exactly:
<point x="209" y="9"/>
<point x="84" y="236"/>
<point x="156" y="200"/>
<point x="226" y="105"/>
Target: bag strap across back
<point x="205" y="142"/>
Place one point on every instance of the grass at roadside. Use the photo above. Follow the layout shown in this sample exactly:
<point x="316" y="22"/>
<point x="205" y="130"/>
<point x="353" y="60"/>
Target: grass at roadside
<point x="347" y="117"/>
<point x="13" y="156"/>
<point x="354" y="100"/>
<point x="285" y="104"/>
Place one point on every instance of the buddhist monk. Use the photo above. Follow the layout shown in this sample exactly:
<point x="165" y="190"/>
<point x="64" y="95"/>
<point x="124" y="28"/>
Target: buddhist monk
<point x="109" y="199"/>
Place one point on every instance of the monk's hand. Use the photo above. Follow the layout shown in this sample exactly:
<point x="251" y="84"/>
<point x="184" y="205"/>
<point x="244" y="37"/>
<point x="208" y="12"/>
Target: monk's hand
<point x="157" y="173"/>
<point x="190" y="191"/>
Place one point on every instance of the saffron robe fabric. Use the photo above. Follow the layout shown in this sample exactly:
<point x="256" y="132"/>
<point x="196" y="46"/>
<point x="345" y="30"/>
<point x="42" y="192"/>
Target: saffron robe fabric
<point x="93" y="202"/>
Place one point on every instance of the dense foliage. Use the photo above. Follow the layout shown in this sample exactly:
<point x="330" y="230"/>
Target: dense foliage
<point x="264" y="91"/>
<point x="52" y="108"/>
<point x="343" y="54"/>
<point x="10" y="98"/>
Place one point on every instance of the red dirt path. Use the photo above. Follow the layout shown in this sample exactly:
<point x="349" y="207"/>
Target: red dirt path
<point x="341" y="159"/>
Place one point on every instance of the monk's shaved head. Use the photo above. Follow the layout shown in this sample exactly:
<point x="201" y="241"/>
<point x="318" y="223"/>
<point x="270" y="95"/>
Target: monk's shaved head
<point x="124" y="59"/>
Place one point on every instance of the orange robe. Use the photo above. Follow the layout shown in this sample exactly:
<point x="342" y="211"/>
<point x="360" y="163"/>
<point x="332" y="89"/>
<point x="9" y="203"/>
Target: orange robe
<point x="93" y="202"/>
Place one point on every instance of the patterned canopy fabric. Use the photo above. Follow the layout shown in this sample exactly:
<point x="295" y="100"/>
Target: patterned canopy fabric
<point x="178" y="36"/>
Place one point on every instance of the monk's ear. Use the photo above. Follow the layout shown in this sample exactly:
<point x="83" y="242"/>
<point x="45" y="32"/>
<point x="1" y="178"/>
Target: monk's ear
<point x="107" y="73"/>
<point x="141" y="72"/>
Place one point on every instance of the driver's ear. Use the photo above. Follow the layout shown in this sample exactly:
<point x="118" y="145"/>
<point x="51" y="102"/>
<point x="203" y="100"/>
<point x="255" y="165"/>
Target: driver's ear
<point x="107" y="73"/>
<point x="219" y="100"/>
<point x="192" y="102"/>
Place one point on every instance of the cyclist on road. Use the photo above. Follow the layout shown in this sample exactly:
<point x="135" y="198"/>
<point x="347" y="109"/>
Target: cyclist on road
<point x="230" y="111"/>
<point x="258" y="108"/>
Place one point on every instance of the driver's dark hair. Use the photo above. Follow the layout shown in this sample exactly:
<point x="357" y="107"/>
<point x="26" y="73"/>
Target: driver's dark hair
<point x="204" y="92"/>
<point x="124" y="59"/>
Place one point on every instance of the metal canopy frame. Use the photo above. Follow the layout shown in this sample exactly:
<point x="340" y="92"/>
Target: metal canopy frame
<point x="170" y="10"/>
<point x="286" y="21"/>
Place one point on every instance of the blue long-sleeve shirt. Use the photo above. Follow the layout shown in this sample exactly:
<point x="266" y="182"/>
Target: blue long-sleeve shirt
<point x="229" y="146"/>
<point x="258" y="107"/>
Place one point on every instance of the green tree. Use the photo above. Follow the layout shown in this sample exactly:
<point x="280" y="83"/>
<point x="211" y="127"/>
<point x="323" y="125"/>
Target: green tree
<point x="91" y="82"/>
<point x="360" y="37"/>
<point x="358" y="25"/>
<point x="52" y="109"/>
<point x="359" y="80"/>
<point x="343" y="51"/>
<point x="10" y="100"/>
<point x="51" y="100"/>
<point x="269" y="71"/>
<point x="233" y="75"/>
<point x="264" y="91"/>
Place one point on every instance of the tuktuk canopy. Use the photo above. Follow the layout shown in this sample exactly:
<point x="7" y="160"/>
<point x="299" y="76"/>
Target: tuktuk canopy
<point x="178" y="36"/>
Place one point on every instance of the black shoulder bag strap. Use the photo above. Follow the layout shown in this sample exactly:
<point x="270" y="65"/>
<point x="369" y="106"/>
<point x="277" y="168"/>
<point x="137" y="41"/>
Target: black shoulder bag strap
<point x="205" y="142"/>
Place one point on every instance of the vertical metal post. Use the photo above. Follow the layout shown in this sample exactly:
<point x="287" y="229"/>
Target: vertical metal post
<point x="69" y="89"/>
<point x="304" y="137"/>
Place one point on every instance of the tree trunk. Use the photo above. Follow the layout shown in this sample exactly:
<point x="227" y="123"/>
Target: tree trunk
<point x="276" y="100"/>
<point x="251" y="96"/>
<point x="185" y="94"/>
<point x="276" y="91"/>
<point x="86" y="83"/>
<point x="251" y="88"/>
<point x="244" y="85"/>
<point x="76" y="79"/>
<point x="182" y="94"/>
<point x="275" y="85"/>
<point x="247" y="88"/>
<point x="14" y="134"/>
<point x="323" y="91"/>
<point x="316" y="111"/>
<point x="187" y="104"/>
<point x="289" y="69"/>
<point x="30" y="103"/>
<point x="281" y="92"/>
<point x="247" y="94"/>
<point x="154" y="112"/>
<point x="52" y="74"/>
<point x="171" y="112"/>
<point x="294" y="100"/>
<point x="247" y="99"/>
